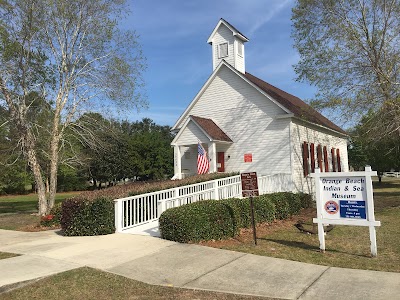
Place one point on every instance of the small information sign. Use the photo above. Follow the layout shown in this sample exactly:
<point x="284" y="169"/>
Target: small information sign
<point x="250" y="189"/>
<point x="249" y="184"/>
<point x="248" y="157"/>
<point x="352" y="209"/>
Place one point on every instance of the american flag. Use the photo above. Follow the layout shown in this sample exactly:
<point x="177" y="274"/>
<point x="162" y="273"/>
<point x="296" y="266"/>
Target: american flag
<point x="202" y="161"/>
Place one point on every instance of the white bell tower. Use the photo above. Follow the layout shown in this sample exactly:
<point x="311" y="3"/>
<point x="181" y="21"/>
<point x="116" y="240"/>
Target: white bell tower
<point x="228" y="44"/>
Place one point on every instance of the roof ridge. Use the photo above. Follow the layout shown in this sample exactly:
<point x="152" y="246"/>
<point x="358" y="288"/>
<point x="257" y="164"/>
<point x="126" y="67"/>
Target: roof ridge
<point x="211" y="128"/>
<point x="238" y="31"/>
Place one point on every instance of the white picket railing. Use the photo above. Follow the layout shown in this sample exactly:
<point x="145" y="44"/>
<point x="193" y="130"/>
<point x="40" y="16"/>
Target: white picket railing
<point x="141" y="209"/>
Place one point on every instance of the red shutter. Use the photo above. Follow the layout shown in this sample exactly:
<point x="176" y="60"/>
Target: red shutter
<point x="333" y="160"/>
<point x="339" y="167"/>
<point x="312" y="151"/>
<point x="305" y="159"/>
<point x="319" y="157"/>
<point x="326" y="159"/>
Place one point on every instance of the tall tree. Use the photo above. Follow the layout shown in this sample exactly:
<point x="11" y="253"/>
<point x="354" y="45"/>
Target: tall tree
<point x="382" y="155"/>
<point x="73" y="55"/>
<point x="350" y="50"/>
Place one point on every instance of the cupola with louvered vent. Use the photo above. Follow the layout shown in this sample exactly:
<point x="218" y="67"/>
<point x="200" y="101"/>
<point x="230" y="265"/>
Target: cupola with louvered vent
<point x="228" y="44"/>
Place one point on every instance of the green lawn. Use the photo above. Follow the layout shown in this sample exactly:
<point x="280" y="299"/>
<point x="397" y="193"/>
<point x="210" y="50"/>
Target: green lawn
<point x="346" y="246"/>
<point x="17" y="212"/>
<point x="87" y="283"/>
<point x="26" y="203"/>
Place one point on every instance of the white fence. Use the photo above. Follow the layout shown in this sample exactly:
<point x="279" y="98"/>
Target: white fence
<point x="391" y="174"/>
<point x="141" y="209"/>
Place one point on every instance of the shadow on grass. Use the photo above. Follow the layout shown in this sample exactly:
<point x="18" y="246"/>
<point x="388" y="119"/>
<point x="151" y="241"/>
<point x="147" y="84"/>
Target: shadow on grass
<point x="13" y="206"/>
<point x="302" y="245"/>
<point x="294" y="244"/>
<point x="387" y="194"/>
<point x="390" y="184"/>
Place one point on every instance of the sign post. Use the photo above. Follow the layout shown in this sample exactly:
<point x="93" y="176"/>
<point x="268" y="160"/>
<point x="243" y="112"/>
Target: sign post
<point x="345" y="198"/>
<point x="250" y="189"/>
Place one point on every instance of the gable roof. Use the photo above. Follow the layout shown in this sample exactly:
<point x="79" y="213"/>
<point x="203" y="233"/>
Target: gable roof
<point x="231" y="28"/>
<point x="223" y="63"/>
<point x="286" y="101"/>
<point x="212" y="129"/>
<point x="299" y="108"/>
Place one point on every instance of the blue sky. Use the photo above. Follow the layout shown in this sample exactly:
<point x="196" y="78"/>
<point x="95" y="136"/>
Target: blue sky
<point x="174" y="33"/>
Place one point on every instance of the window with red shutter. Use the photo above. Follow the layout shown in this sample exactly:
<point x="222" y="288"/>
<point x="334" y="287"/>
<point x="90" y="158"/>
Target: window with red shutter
<point x="305" y="159"/>
<point x="319" y="158"/>
<point x="326" y="159"/>
<point x="312" y="156"/>
<point x="339" y="166"/>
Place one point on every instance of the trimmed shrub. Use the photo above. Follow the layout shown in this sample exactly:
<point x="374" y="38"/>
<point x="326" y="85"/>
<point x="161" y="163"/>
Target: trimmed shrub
<point x="217" y="219"/>
<point x="87" y="217"/>
<point x="306" y="200"/>
<point x="239" y="209"/>
<point x="198" y="221"/>
<point x="281" y="202"/>
<point x="265" y="210"/>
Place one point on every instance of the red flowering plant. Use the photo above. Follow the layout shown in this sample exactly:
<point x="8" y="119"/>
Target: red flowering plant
<point x="53" y="218"/>
<point x="48" y="221"/>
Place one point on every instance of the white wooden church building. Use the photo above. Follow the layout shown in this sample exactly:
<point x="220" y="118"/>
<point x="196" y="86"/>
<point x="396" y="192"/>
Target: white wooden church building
<point x="246" y="124"/>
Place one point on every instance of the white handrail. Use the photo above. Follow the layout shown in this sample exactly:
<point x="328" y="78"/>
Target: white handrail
<point x="140" y="209"/>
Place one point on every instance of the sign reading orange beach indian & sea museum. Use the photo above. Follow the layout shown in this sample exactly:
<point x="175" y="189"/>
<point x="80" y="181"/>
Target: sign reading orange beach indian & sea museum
<point x="345" y="198"/>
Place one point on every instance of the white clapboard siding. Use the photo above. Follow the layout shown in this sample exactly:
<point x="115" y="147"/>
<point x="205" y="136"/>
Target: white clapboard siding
<point x="189" y="160"/>
<point x="192" y="134"/>
<point x="249" y="119"/>
<point x="239" y="59"/>
<point x="223" y="35"/>
<point x="301" y="133"/>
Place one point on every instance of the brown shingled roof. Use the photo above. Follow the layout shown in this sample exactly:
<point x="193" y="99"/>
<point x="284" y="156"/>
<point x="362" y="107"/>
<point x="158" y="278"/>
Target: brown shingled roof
<point x="299" y="108"/>
<point x="211" y="129"/>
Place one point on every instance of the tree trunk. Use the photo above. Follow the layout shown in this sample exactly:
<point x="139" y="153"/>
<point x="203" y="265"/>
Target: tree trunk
<point x="47" y="185"/>
<point x="18" y="115"/>
<point x="40" y="186"/>
<point x="30" y="154"/>
<point x="55" y="140"/>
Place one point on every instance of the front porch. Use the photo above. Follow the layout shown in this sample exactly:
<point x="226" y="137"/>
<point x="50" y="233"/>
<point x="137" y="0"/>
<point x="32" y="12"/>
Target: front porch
<point x="216" y="143"/>
<point x="185" y="159"/>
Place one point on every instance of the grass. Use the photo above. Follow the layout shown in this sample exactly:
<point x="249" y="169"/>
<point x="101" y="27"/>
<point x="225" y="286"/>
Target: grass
<point x="27" y="203"/>
<point x="17" y="212"/>
<point x="346" y="246"/>
<point x="19" y="222"/>
<point x="87" y="283"/>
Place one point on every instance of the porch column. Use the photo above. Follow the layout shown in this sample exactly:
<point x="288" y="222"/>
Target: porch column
<point x="212" y="154"/>
<point x="177" y="162"/>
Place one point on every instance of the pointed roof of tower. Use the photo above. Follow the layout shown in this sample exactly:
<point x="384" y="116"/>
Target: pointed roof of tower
<point x="235" y="32"/>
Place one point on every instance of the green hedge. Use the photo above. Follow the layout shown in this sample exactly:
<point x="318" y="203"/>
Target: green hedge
<point x="87" y="217"/>
<point x="207" y="220"/>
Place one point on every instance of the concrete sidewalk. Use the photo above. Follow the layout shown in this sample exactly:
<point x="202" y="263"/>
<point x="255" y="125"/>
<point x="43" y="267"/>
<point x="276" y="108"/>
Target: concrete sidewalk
<point x="156" y="261"/>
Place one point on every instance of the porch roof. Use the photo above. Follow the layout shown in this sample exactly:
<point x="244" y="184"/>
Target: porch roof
<point x="211" y="129"/>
